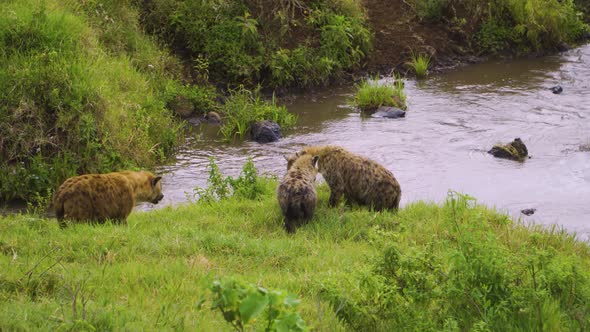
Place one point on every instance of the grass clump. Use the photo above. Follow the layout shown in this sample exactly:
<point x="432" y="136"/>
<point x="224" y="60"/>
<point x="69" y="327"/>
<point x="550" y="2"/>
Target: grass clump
<point x="371" y="94"/>
<point x="244" y="107"/>
<point x="430" y="10"/>
<point x="419" y="64"/>
<point x="455" y="266"/>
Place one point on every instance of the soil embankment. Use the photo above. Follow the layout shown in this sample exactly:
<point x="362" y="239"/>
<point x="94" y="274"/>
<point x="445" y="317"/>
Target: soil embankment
<point x="399" y="31"/>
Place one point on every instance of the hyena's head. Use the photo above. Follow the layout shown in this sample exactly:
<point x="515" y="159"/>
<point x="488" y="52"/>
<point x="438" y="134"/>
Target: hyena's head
<point x="311" y="150"/>
<point x="292" y="158"/>
<point x="307" y="163"/>
<point x="150" y="188"/>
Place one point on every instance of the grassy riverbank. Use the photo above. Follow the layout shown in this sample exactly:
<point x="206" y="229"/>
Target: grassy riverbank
<point x="454" y="267"/>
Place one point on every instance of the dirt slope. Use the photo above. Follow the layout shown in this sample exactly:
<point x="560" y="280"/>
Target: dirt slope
<point x="399" y="31"/>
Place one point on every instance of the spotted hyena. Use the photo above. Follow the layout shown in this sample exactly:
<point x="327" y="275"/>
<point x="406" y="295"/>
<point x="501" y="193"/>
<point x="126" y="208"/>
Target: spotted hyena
<point x="98" y="197"/>
<point x="361" y="180"/>
<point x="296" y="192"/>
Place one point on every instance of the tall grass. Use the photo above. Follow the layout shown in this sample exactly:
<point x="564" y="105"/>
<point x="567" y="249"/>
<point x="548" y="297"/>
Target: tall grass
<point x="372" y="94"/>
<point x="72" y="103"/>
<point x="455" y="266"/>
<point x="419" y="64"/>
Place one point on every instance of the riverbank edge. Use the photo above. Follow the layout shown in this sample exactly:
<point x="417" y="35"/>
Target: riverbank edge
<point x="169" y="257"/>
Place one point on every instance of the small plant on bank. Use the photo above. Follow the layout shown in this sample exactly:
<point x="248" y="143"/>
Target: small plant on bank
<point x="243" y="108"/>
<point x="372" y="94"/>
<point x="419" y="64"/>
<point x="244" y="305"/>
<point x="248" y="185"/>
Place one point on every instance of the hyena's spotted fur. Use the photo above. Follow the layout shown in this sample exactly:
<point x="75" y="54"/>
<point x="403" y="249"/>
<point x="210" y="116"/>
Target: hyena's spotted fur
<point x="361" y="180"/>
<point x="98" y="197"/>
<point x="296" y="192"/>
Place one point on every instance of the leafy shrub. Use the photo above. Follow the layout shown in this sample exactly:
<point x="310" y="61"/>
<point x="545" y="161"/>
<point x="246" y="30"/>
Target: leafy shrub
<point x="243" y="108"/>
<point x="248" y="185"/>
<point x="252" y="43"/>
<point x="371" y="94"/>
<point x="478" y="271"/>
<point x="495" y="37"/>
<point x="242" y="304"/>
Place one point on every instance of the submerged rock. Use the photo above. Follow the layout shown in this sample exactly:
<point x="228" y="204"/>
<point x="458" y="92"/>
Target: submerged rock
<point x="515" y="150"/>
<point x="213" y="118"/>
<point x="389" y="112"/>
<point x="557" y="89"/>
<point x="265" y="131"/>
<point x="528" y="212"/>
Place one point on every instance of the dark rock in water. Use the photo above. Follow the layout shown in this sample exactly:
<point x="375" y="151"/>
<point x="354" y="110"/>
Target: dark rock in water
<point x="265" y="131"/>
<point x="528" y="212"/>
<point x="213" y="118"/>
<point x="389" y="112"/>
<point x="515" y="150"/>
<point x="183" y="107"/>
<point x="557" y="89"/>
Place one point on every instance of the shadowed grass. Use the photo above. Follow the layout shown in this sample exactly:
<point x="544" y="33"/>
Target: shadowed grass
<point x="151" y="273"/>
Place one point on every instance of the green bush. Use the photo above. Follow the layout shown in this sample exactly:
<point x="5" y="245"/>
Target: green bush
<point x="248" y="185"/>
<point x="531" y="25"/>
<point x="371" y="94"/>
<point x="243" y="108"/>
<point x="477" y="271"/>
<point x="253" y="42"/>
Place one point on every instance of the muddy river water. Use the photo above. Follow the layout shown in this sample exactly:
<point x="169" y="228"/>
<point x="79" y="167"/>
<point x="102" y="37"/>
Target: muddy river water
<point x="452" y="120"/>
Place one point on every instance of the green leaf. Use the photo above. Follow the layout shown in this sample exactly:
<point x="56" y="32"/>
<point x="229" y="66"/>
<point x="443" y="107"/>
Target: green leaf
<point x="252" y="305"/>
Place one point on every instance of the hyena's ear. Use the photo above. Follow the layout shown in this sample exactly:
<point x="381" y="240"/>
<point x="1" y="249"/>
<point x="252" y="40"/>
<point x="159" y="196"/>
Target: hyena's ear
<point x="286" y="158"/>
<point x="155" y="181"/>
<point x="314" y="161"/>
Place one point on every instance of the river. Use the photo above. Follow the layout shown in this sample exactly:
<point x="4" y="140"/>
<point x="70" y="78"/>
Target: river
<point x="452" y="120"/>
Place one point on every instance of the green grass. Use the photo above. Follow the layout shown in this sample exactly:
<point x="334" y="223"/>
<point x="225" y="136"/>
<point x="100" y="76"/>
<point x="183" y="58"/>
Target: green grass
<point x="371" y="94"/>
<point x="79" y="95"/>
<point x="419" y="64"/>
<point x="456" y="266"/>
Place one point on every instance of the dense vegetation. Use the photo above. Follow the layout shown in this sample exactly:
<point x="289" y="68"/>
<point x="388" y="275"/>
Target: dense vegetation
<point x="515" y="26"/>
<point x="276" y="43"/>
<point x="453" y="267"/>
